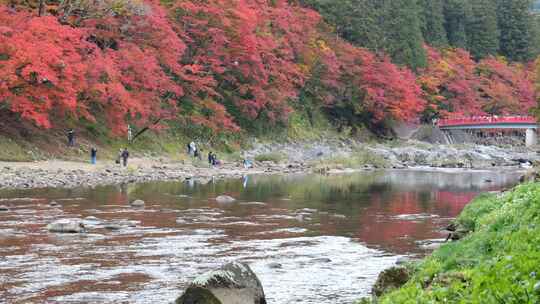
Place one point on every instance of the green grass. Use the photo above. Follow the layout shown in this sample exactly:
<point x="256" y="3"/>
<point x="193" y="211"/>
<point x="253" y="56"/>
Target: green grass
<point x="274" y="157"/>
<point x="10" y="150"/>
<point x="498" y="262"/>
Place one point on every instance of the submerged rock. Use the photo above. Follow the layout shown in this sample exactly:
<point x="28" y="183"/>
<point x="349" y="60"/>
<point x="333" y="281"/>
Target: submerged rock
<point x="389" y="279"/>
<point x="275" y="265"/>
<point x="66" y="226"/>
<point x="137" y="203"/>
<point x="322" y="260"/>
<point x="253" y="204"/>
<point x="112" y="226"/>
<point x="225" y="199"/>
<point x="233" y="283"/>
<point x="405" y="260"/>
<point x="91" y="218"/>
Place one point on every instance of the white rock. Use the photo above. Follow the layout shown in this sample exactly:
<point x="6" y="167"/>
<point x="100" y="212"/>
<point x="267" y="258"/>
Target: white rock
<point x="137" y="203"/>
<point x="66" y="226"/>
<point x="225" y="199"/>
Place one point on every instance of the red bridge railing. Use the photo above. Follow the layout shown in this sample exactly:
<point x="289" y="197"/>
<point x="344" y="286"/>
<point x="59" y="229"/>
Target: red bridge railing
<point x="486" y="120"/>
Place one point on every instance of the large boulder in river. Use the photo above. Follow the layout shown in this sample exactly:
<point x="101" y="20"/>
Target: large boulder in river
<point x="225" y="199"/>
<point x="390" y="279"/>
<point x="66" y="226"/>
<point x="233" y="283"/>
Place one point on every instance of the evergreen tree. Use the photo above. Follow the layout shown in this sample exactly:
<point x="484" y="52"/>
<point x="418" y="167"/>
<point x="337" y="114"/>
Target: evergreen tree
<point x="391" y="26"/>
<point x="515" y="25"/>
<point x="482" y="30"/>
<point x="432" y="17"/>
<point x="456" y="13"/>
<point x="404" y="41"/>
<point x="535" y="35"/>
<point x="357" y="21"/>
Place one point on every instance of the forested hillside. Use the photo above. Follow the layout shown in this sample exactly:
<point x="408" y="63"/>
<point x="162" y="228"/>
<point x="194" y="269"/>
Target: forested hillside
<point x="247" y="66"/>
<point x="400" y="28"/>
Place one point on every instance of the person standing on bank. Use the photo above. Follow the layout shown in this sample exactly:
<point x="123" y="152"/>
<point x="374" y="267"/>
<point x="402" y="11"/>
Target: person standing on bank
<point x="129" y="134"/>
<point x="125" y="156"/>
<point x="193" y="148"/>
<point x="210" y="157"/>
<point x="71" y="137"/>
<point x="93" y="155"/>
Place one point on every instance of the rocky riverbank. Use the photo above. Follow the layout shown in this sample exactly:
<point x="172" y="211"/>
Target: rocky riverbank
<point x="398" y="154"/>
<point x="72" y="174"/>
<point x="328" y="156"/>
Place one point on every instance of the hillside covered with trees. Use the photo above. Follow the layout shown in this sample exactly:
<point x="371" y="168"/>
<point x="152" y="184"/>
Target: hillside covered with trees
<point x="245" y="66"/>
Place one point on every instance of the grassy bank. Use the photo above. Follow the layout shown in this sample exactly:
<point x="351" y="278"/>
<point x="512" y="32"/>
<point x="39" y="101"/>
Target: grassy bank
<point x="497" y="262"/>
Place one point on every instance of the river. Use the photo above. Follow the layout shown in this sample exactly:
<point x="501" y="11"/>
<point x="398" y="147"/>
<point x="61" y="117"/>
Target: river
<point x="310" y="238"/>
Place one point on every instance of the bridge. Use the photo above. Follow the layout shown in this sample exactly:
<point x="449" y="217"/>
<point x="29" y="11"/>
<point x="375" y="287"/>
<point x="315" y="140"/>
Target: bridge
<point x="527" y="123"/>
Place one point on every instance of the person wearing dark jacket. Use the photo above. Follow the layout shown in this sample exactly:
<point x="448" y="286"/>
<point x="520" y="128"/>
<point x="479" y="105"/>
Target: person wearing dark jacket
<point x="125" y="155"/>
<point x="93" y="155"/>
<point x="71" y="137"/>
<point x="210" y="157"/>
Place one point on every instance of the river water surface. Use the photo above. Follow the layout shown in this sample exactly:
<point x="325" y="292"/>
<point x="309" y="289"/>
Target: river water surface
<point x="310" y="239"/>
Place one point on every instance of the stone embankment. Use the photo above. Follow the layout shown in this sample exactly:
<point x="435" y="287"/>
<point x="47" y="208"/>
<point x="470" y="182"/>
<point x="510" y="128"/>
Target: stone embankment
<point x="306" y="157"/>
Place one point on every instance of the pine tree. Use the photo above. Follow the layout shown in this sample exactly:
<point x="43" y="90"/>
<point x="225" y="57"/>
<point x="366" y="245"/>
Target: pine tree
<point x="515" y="24"/>
<point x="357" y="21"/>
<point x="456" y="13"/>
<point x="404" y="41"/>
<point x="432" y="17"/>
<point x="535" y="36"/>
<point x="482" y="30"/>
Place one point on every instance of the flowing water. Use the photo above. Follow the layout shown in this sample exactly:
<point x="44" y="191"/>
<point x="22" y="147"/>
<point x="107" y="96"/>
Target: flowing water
<point x="310" y="239"/>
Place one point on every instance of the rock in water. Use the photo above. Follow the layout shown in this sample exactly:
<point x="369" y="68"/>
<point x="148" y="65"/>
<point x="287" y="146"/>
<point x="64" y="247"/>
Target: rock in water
<point x="225" y="199"/>
<point x="4" y="208"/>
<point x="275" y="265"/>
<point x="66" y="226"/>
<point x="233" y="283"/>
<point x="137" y="203"/>
<point x="389" y="279"/>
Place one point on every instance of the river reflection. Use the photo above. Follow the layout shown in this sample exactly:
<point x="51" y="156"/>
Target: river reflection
<point x="311" y="239"/>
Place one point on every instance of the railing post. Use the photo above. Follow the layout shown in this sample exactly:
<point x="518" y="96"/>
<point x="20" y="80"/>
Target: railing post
<point x="531" y="138"/>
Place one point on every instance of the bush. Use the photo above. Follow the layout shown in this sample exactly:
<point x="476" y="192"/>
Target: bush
<point x="357" y="159"/>
<point x="275" y="157"/>
<point x="497" y="263"/>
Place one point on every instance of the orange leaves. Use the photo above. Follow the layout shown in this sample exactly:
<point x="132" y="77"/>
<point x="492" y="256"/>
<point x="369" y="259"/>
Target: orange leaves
<point x="454" y="83"/>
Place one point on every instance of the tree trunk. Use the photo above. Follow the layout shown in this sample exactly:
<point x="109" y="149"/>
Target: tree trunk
<point x="41" y="7"/>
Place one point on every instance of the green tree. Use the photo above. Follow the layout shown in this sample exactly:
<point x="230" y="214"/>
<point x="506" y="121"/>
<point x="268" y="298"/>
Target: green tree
<point x="404" y="41"/>
<point x="516" y="22"/>
<point x="357" y="21"/>
<point x="432" y="22"/>
<point x="391" y="26"/>
<point x="535" y="35"/>
<point x="482" y="30"/>
<point x="456" y="13"/>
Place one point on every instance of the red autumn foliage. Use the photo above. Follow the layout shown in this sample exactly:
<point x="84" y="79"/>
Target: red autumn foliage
<point x="454" y="84"/>
<point x="225" y="65"/>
